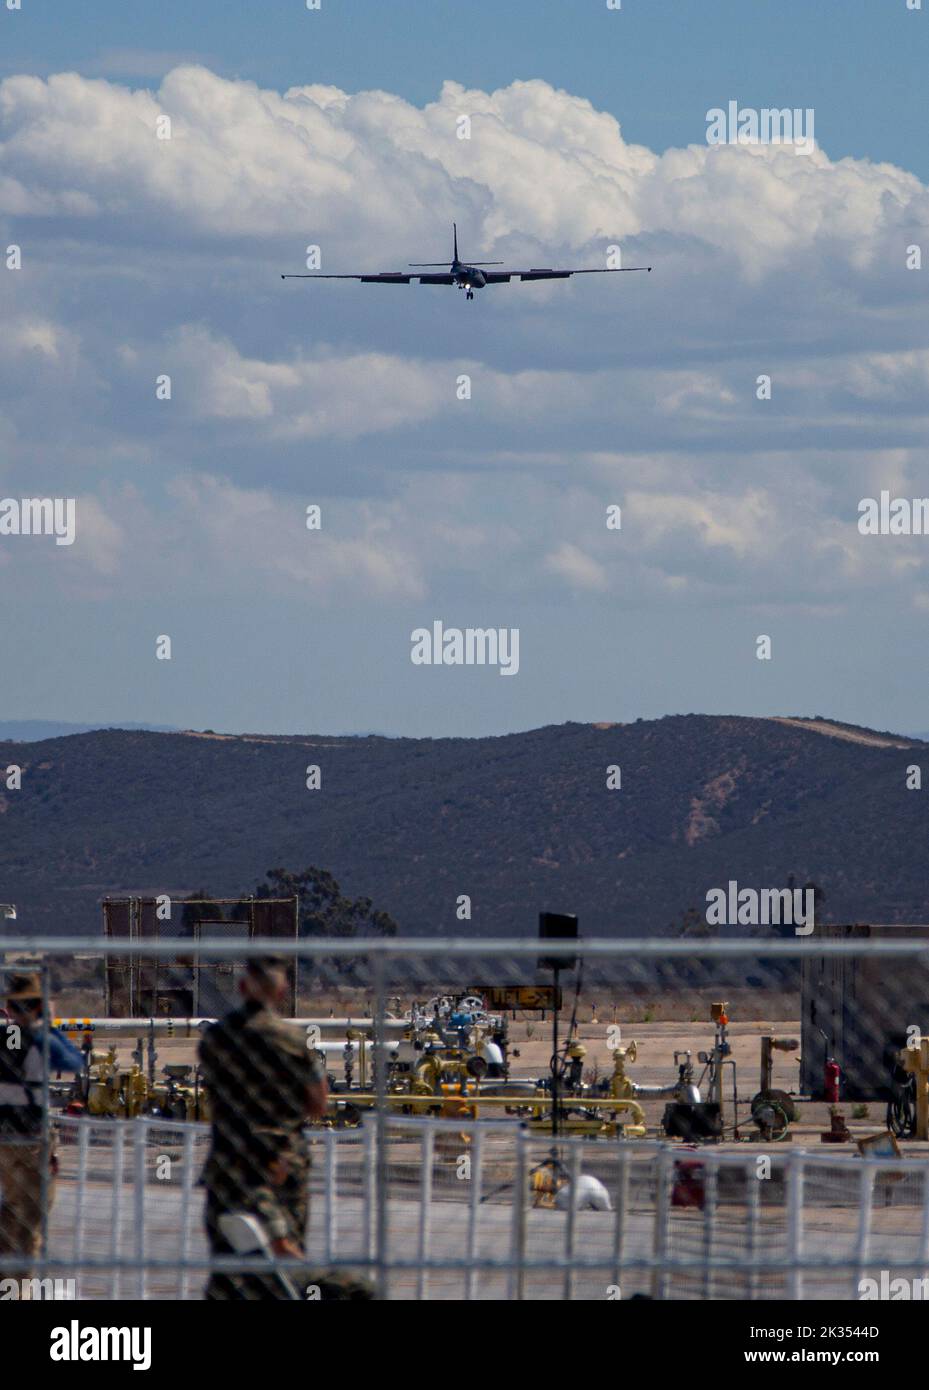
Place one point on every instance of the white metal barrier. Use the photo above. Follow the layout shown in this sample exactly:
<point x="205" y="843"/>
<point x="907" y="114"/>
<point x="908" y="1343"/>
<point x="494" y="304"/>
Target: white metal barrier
<point x="463" y="1220"/>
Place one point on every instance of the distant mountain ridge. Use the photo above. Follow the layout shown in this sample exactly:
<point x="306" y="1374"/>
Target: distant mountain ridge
<point x="517" y="822"/>
<point x="34" y="730"/>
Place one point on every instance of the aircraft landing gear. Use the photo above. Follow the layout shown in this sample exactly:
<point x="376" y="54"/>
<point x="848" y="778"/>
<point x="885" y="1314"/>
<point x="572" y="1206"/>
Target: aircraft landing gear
<point x="470" y="294"/>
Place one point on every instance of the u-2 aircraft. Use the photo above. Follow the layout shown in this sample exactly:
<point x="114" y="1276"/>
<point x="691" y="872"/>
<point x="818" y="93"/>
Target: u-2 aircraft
<point x="467" y="276"/>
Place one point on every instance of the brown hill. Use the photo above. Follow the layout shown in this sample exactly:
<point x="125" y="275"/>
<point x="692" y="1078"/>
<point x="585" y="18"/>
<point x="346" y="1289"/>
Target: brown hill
<point x="517" y="822"/>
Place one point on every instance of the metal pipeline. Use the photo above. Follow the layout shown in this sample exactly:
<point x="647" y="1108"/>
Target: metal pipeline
<point x="638" y="1114"/>
<point x="682" y="1091"/>
<point x="182" y="1026"/>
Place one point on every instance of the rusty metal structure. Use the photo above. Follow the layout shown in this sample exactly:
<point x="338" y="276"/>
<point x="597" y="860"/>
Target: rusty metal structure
<point x="184" y="985"/>
<point x="857" y="1009"/>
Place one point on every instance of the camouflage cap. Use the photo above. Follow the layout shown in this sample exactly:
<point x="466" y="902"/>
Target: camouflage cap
<point x="24" y="988"/>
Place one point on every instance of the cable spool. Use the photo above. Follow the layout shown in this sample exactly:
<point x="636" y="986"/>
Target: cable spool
<point x="773" y="1111"/>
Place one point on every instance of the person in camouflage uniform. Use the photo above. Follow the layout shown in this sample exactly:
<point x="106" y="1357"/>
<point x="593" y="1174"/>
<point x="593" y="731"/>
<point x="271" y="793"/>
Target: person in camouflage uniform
<point x="280" y="1210"/>
<point x="263" y="1082"/>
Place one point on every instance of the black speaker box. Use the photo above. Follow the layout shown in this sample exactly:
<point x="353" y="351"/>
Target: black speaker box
<point x="557" y="926"/>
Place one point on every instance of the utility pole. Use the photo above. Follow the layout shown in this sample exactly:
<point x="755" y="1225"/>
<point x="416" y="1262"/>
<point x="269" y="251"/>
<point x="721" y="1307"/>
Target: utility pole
<point x="558" y="926"/>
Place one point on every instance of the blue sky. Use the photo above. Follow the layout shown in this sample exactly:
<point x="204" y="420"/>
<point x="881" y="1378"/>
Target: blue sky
<point x="337" y="128"/>
<point x="657" y="65"/>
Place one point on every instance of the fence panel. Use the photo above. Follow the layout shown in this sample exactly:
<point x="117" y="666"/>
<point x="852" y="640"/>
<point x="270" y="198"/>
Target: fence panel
<point x="426" y="1207"/>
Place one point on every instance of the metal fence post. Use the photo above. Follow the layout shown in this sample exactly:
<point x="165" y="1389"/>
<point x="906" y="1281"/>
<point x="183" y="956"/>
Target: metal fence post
<point x="427" y="1151"/>
<point x="139" y="1138"/>
<point x="187" y="1188"/>
<point x="924" y="1243"/>
<point x="752" y="1214"/>
<point x="369" y="1192"/>
<point x="865" y="1211"/>
<point x="382" y="1186"/>
<point x="710" y="1198"/>
<point x="574" y="1173"/>
<point x="46" y="1149"/>
<point x="662" y="1239"/>
<point x="330" y="1181"/>
<point x="795" y="1184"/>
<point x="474" y="1208"/>
<point x="516" y="1282"/>
<point x="622" y="1202"/>
<point x="119" y="1149"/>
<point x="83" y="1152"/>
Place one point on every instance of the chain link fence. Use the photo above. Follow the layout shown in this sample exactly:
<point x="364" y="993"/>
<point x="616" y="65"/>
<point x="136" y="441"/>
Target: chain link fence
<point x="452" y="1160"/>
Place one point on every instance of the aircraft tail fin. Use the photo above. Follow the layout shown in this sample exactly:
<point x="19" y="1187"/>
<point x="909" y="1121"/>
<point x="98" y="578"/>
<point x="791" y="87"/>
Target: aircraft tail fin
<point x="423" y="264"/>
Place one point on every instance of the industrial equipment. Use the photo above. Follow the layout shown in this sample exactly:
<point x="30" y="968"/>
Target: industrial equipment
<point x="853" y="1008"/>
<point x="773" y="1110"/>
<point x="106" y="1089"/>
<point x="901" y="1105"/>
<point x="448" y="1056"/>
<point x="838" y="1131"/>
<point x="691" y="1118"/>
<point x="916" y="1061"/>
<point x="583" y="1108"/>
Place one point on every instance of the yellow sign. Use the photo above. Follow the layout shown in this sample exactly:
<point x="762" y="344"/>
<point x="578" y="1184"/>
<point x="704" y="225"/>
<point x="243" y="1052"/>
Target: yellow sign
<point x="520" y="996"/>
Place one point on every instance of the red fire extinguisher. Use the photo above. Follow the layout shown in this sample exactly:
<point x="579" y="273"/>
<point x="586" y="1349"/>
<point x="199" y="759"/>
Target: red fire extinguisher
<point x="831" y="1081"/>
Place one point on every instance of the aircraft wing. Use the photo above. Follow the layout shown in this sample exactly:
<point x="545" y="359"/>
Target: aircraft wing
<point x="389" y="277"/>
<point x="544" y="273"/>
<point x="491" y="277"/>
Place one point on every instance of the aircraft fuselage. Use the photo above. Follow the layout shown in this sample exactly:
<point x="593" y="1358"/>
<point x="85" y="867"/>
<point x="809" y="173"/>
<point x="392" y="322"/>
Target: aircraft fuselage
<point x="468" y="277"/>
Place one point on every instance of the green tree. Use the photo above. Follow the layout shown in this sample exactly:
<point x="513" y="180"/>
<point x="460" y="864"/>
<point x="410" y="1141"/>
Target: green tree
<point x="693" y="925"/>
<point x="323" y="909"/>
<point x="199" y="907"/>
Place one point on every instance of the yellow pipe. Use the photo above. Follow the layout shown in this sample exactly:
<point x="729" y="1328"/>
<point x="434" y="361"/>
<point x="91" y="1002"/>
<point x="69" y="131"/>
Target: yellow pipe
<point x="638" y="1114"/>
<point x="523" y="1102"/>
